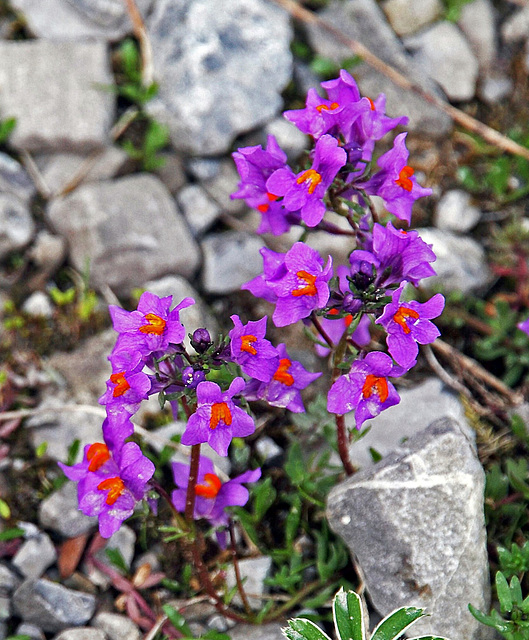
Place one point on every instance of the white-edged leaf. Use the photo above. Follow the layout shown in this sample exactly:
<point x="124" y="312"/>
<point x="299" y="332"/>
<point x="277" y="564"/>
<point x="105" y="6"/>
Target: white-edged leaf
<point x="302" y="629"/>
<point x="348" y="615"/>
<point x="396" y="623"/>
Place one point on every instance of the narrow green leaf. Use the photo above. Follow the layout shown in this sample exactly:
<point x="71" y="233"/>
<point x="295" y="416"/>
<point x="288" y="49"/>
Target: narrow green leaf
<point x="11" y="534"/>
<point x="177" y="620"/>
<point x="503" y="591"/>
<point x="516" y="590"/>
<point x="348" y="615"/>
<point x="5" y="511"/>
<point x="303" y="629"/>
<point x="396" y="623"/>
<point x="115" y="557"/>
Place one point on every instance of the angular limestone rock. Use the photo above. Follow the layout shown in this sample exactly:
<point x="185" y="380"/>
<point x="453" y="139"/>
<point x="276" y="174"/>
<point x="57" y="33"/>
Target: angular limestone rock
<point x="415" y="523"/>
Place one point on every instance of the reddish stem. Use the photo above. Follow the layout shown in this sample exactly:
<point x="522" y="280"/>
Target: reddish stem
<point x="343" y="446"/>
<point x="192" y="483"/>
<point x="316" y="322"/>
<point x="238" y="579"/>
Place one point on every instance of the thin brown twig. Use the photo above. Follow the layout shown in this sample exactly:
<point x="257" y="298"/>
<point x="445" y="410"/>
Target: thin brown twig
<point x="147" y="69"/>
<point x="468" y="122"/>
<point x="236" y="569"/>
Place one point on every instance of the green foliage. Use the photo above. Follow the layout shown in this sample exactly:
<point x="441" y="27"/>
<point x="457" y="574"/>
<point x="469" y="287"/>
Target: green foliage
<point x="515" y="561"/>
<point x="6" y="129"/>
<point x="11" y="534"/>
<point x="130" y="80"/>
<point x="350" y="622"/>
<point x="512" y="621"/>
<point x="116" y="558"/>
<point x="156" y="138"/>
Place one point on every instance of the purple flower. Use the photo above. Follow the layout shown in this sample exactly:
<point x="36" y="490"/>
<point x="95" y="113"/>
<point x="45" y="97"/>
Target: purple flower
<point x="154" y="325"/>
<point x="217" y="419"/>
<point x="305" y="191"/>
<point x="365" y="389"/>
<point x="212" y="495"/>
<point x="301" y="286"/>
<point x="395" y="183"/>
<point x="312" y="119"/>
<point x="110" y="483"/>
<point x="256" y="356"/>
<point x="125" y="391"/>
<point x="255" y="165"/>
<point x="273" y="269"/>
<point x="283" y="390"/>
<point x="524" y="326"/>
<point x="408" y="323"/>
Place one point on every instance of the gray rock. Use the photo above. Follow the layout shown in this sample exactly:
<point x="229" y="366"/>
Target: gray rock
<point x="172" y="172"/>
<point x="446" y="56"/>
<point x="253" y="572"/>
<point x="59" y="169"/>
<point x="220" y="179"/>
<point x="5" y="608"/>
<point x="364" y="21"/>
<point x="86" y="370"/>
<point x="494" y="88"/>
<point x="116" y="627"/>
<point x="129" y="229"/>
<point x="60" y="513"/>
<point x="85" y="633"/>
<point x="230" y="259"/>
<point x="267" y="448"/>
<point x="78" y="19"/>
<point x="51" y="606"/>
<point x="31" y="630"/>
<point x="198" y="208"/>
<point x="454" y="212"/>
<point x="38" y="305"/>
<point x="408" y="16"/>
<point x="415" y="523"/>
<point x="16" y="224"/>
<point x="34" y="72"/>
<point x="289" y="137"/>
<point x="478" y="23"/>
<point x="14" y="179"/>
<point x="59" y="428"/>
<point x="47" y="251"/>
<point x="516" y="27"/>
<point x="35" y="556"/>
<point x="460" y="264"/>
<point x="418" y="407"/>
<point x="270" y="631"/>
<point x="220" y="72"/>
<point x="8" y="580"/>
<point x="3" y="631"/>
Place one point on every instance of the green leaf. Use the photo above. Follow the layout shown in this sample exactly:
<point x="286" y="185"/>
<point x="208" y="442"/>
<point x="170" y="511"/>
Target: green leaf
<point x="292" y="521"/>
<point x="503" y="591"/>
<point x="41" y="449"/>
<point x="303" y="629"/>
<point x="348" y="615"/>
<point x="516" y="591"/>
<point x="264" y="495"/>
<point x="6" y="128"/>
<point x="396" y="623"/>
<point x="177" y="620"/>
<point x="11" y="534"/>
<point x="5" y="511"/>
<point x="481" y="617"/>
<point x="116" y="558"/>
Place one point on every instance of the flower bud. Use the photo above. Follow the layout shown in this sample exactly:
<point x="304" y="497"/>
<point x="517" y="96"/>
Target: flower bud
<point x="191" y="378"/>
<point x="201" y="340"/>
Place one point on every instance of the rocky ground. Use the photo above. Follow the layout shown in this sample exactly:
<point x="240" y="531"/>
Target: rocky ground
<point x="98" y="201"/>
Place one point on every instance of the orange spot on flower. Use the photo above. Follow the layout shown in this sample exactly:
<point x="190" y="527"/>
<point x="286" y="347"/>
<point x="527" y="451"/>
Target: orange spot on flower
<point x="121" y="384"/>
<point x="402" y="314"/>
<point x="219" y="412"/>
<point x="246" y="344"/>
<point x="210" y="488"/>
<point x="309" y="289"/>
<point x="324" y="107"/>
<point x="155" y="324"/>
<point x="371" y="104"/>
<point x="311" y="176"/>
<point x="348" y="318"/>
<point x="115" y="488"/>
<point x="97" y="455"/>
<point x="377" y="385"/>
<point x="404" y="178"/>
<point x="263" y="208"/>
<point x="282" y="375"/>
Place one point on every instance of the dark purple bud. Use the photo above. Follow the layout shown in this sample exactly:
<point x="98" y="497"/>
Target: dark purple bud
<point x="351" y="304"/>
<point x="191" y="378"/>
<point x="201" y="340"/>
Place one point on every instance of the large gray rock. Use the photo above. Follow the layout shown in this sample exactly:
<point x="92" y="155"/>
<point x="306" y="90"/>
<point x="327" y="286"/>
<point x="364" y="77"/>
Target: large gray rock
<point x="60" y="513"/>
<point x="415" y="523"/>
<point x="444" y="53"/>
<point x="198" y="208"/>
<point x="408" y="16"/>
<point x="364" y="21"/>
<point x="460" y="264"/>
<point x="418" y="407"/>
<point x="52" y="90"/>
<point x="74" y="19"/>
<point x="14" y="179"/>
<point x="230" y="259"/>
<point x="116" y="627"/>
<point x="129" y="230"/>
<point x="35" y="556"/>
<point x="220" y="71"/>
<point x="16" y="224"/>
<point x="477" y="21"/>
<point x="253" y="572"/>
<point x="51" y="606"/>
<point x="220" y="179"/>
